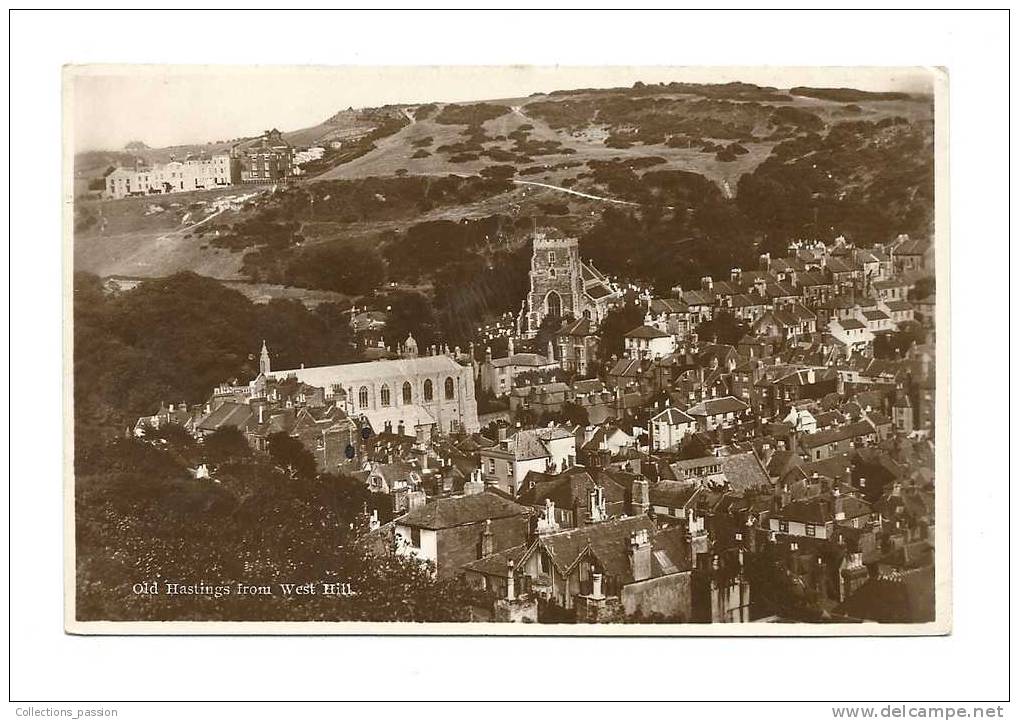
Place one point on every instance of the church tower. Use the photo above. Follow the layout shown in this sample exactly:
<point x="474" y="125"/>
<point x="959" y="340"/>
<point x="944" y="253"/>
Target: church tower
<point x="557" y="284"/>
<point x="263" y="361"/>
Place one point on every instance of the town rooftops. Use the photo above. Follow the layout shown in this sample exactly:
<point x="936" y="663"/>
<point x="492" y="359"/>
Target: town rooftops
<point x="460" y="511"/>
<point x="851" y="324"/>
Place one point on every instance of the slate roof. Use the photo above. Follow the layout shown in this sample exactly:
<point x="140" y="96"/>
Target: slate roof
<point x="228" y="415"/>
<point x="351" y="373"/>
<point x="529" y="443"/>
<point x="460" y="511"/>
<point x="672" y="494"/>
<point x="579" y="327"/>
<point x="569" y="488"/>
<point x="533" y="360"/>
<point x="673" y="416"/>
<point x="897" y="305"/>
<point x="667" y="305"/>
<point x="647" y="331"/>
<point x="821" y="438"/>
<point x="714" y="406"/>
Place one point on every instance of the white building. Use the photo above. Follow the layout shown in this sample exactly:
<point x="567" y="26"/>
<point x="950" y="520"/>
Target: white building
<point x="173" y="177"/>
<point x="648" y="342"/>
<point x="412" y="395"/>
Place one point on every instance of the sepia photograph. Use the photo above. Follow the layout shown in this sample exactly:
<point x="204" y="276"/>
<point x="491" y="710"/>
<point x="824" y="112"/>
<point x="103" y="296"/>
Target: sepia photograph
<point x="506" y="350"/>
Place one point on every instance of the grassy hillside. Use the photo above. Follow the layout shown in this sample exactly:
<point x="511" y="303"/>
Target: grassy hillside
<point x="669" y="182"/>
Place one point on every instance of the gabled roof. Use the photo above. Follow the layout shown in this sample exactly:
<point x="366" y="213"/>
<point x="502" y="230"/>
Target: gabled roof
<point x="460" y="511"/>
<point x="579" y="327"/>
<point x="714" y="406"/>
<point x="529" y="443"/>
<point x="607" y="541"/>
<point x="658" y="306"/>
<point x="569" y="488"/>
<point x="228" y="415"/>
<point x="673" y="416"/>
<point x="647" y="331"/>
<point x="839" y="265"/>
<point x="672" y="494"/>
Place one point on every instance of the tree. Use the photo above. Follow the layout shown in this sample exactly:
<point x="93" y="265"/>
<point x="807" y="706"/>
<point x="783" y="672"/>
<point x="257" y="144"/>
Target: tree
<point x="723" y="328"/>
<point x="290" y="454"/>
<point x="575" y="414"/>
<point x="226" y="444"/>
<point x="618" y="322"/>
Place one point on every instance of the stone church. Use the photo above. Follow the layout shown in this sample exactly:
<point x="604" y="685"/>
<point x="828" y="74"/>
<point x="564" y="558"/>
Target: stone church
<point x="563" y="286"/>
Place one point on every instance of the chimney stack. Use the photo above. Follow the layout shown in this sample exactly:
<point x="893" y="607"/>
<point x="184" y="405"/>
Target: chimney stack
<point x="640" y="555"/>
<point x="487" y="540"/>
<point x="641" y="500"/>
<point x="511" y="591"/>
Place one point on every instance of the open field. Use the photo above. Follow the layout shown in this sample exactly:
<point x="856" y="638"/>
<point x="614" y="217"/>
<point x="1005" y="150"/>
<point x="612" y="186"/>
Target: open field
<point x="126" y="238"/>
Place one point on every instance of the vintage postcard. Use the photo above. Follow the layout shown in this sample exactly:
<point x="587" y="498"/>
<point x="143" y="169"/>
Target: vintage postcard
<point x="506" y="350"/>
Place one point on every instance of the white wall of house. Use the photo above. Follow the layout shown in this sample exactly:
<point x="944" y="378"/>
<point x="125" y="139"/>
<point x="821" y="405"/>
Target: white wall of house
<point x="425" y="546"/>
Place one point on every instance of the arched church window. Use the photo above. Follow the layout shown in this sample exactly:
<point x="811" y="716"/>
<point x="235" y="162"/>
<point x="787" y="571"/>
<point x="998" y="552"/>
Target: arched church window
<point x="407" y="393"/>
<point x="449" y="389"/>
<point x="362" y="397"/>
<point x="554" y="304"/>
<point x="428" y="389"/>
<point x="384" y="393"/>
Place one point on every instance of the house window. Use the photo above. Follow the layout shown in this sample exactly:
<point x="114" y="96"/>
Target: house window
<point x="783" y="526"/>
<point x="428" y="390"/>
<point x="384" y="393"/>
<point x="415" y="537"/>
<point x="545" y="565"/>
<point x="551" y="257"/>
<point x="449" y="389"/>
<point x="407" y="394"/>
<point x="491" y="466"/>
<point x="811" y="529"/>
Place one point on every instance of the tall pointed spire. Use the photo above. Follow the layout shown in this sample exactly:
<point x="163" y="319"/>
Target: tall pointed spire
<point x="263" y="360"/>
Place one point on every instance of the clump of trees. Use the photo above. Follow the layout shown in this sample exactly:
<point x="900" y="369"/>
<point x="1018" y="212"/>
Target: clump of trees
<point x="262" y="522"/>
<point x="173" y="339"/>
<point x="474" y="114"/>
